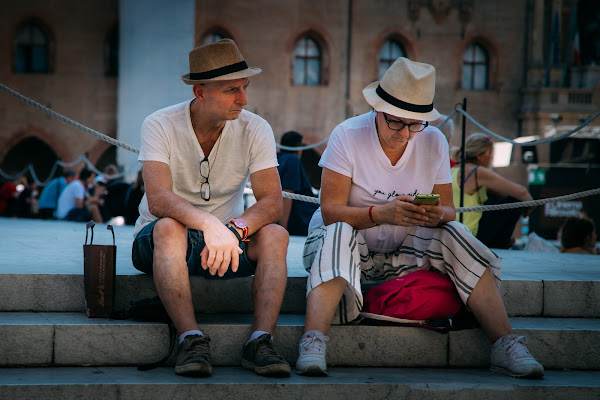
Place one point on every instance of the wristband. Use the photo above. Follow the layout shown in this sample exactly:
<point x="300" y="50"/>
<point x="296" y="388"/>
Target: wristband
<point x="371" y="215"/>
<point x="235" y="232"/>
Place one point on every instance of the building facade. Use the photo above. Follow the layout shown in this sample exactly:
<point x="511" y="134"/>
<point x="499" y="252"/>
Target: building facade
<point x="517" y="63"/>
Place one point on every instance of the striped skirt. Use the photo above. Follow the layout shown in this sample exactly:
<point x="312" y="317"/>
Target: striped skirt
<point x="340" y="250"/>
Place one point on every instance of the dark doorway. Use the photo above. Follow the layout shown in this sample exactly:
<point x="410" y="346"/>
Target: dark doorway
<point x="33" y="151"/>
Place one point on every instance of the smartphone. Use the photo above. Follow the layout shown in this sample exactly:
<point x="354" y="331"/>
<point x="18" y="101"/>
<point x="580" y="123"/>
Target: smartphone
<point x="428" y="199"/>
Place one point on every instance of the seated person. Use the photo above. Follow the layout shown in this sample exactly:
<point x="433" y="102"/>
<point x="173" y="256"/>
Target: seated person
<point x="197" y="157"/>
<point x="483" y="186"/>
<point x="368" y="230"/>
<point x="8" y="197"/>
<point x="50" y="194"/>
<point x="578" y="235"/>
<point x="76" y="204"/>
<point x="296" y="213"/>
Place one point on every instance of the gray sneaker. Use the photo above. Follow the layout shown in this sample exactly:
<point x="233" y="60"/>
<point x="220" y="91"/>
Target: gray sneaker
<point x="261" y="357"/>
<point x="312" y="355"/>
<point x="193" y="357"/>
<point x="511" y="357"/>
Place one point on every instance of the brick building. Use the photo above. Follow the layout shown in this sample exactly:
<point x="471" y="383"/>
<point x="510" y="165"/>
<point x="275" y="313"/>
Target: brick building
<point x="514" y="61"/>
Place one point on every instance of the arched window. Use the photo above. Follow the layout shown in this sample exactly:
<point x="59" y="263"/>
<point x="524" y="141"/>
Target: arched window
<point x="475" y="68"/>
<point x="391" y="50"/>
<point x="111" y="53"/>
<point x="308" y="60"/>
<point x="32" y="49"/>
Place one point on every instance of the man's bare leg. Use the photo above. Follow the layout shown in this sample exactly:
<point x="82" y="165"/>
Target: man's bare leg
<point x="268" y="247"/>
<point x="171" y="276"/>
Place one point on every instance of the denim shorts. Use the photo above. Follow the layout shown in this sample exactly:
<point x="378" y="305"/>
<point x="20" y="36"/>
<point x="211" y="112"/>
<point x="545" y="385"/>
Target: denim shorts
<point x="143" y="249"/>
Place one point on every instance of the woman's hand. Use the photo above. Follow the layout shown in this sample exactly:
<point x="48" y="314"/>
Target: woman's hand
<point x="402" y="212"/>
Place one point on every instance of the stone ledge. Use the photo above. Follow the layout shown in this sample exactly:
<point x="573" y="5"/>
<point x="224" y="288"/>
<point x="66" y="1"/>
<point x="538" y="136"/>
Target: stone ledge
<point x="72" y="339"/>
<point x="342" y="383"/>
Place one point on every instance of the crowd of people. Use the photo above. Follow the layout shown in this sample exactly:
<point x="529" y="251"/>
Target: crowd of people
<point x="74" y="197"/>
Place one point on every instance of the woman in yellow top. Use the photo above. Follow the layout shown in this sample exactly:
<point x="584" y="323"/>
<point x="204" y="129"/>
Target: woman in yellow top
<point x="484" y="187"/>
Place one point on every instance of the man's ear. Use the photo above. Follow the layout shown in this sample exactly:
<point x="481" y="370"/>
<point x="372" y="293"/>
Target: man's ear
<point x="199" y="92"/>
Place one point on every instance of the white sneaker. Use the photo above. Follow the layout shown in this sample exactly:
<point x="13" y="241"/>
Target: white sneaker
<point x="311" y="359"/>
<point x="511" y="357"/>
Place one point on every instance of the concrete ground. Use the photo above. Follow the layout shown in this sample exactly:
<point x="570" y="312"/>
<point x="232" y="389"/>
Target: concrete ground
<point x="55" y="247"/>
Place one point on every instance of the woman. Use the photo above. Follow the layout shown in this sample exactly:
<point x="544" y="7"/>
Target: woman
<point x="367" y="228"/>
<point x="484" y="186"/>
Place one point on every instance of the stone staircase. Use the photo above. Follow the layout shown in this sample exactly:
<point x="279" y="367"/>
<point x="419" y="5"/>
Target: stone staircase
<point x="50" y="349"/>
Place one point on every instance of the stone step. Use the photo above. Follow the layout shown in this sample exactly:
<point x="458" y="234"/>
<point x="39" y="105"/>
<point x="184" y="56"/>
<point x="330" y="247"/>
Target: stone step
<point x="65" y="293"/>
<point x="41" y="267"/>
<point x="342" y="383"/>
<point x="72" y="339"/>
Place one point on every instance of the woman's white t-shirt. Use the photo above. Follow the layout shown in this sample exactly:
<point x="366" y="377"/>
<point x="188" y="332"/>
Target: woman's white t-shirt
<point x="246" y="145"/>
<point x="354" y="151"/>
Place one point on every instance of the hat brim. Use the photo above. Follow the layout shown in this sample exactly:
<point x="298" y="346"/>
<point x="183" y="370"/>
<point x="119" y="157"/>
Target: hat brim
<point x="246" y="73"/>
<point x="381" y="105"/>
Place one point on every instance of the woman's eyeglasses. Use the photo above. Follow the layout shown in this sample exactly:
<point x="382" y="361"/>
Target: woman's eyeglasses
<point x="397" y="125"/>
<point x="204" y="173"/>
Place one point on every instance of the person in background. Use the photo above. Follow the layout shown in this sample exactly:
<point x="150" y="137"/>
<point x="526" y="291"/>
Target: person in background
<point x="8" y="197"/>
<point x="50" y="194"/>
<point x="296" y="213"/>
<point x="482" y="186"/>
<point x="578" y="235"/>
<point x="75" y="202"/>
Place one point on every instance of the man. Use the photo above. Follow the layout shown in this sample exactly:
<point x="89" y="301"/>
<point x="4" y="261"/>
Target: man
<point x="75" y="203"/>
<point x="296" y="214"/>
<point x="197" y="157"/>
<point x="50" y="194"/>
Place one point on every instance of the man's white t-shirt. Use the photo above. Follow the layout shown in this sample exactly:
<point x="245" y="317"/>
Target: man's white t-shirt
<point x="66" y="200"/>
<point x="354" y="151"/>
<point x="246" y="145"/>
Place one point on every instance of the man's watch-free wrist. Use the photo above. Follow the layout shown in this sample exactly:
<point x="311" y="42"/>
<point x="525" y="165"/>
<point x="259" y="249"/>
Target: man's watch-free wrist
<point x="240" y="223"/>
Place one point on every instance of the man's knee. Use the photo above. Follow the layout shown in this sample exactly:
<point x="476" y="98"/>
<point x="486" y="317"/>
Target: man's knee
<point x="272" y="235"/>
<point x="269" y="241"/>
<point x="168" y="231"/>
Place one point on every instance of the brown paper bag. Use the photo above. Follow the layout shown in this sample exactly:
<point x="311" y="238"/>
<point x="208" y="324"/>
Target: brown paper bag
<point x="99" y="263"/>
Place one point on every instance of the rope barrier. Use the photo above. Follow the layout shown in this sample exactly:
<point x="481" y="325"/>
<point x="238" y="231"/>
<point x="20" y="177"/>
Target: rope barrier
<point x="35" y="178"/>
<point x="66" y="120"/>
<point x="492" y="207"/>
<point x="532" y="143"/>
<point x="295" y="196"/>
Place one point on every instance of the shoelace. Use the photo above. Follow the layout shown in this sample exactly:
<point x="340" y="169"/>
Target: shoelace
<point x="265" y="348"/>
<point x="517" y="346"/>
<point x="314" y="344"/>
<point x="198" y="347"/>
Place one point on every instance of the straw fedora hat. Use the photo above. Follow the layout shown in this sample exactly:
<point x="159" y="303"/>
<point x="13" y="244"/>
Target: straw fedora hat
<point x="405" y="91"/>
<point x="217" y="61"/>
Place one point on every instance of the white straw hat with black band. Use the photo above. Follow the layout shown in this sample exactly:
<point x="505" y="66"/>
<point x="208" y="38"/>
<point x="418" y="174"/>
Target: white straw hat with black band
<point x="406" y="90"/>
<point x="217" y="61"/>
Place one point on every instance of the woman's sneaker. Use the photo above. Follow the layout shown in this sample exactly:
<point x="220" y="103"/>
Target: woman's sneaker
<point x="511" y="357"/>
<point x="311" y="359"/>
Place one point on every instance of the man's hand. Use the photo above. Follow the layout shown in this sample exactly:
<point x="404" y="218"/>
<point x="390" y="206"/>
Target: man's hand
<point x="221" y="248"/>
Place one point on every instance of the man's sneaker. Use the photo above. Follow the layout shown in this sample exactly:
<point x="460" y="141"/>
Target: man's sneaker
<point x="311" y="358"/>
<point x="511" y="357"/>
<point x="260" y="356"/>
<point x="193" y="356"/>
